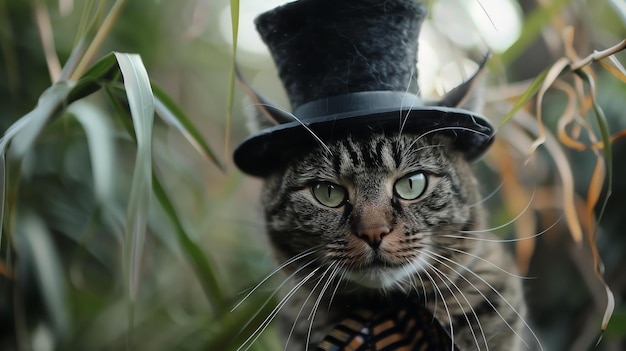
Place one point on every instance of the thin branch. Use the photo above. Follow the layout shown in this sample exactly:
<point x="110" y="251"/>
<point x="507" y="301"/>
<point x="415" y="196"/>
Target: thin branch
<point x="599" y="55"/>
<point x="98" y="39"/>
<point x="42" y="18"/>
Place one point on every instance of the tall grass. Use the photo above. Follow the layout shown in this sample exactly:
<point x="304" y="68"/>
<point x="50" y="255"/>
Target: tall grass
<point x="123" y="228"/>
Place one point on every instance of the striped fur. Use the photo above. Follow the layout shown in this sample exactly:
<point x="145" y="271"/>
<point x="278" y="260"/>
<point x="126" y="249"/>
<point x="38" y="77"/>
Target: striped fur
<point x="435" y="254"/>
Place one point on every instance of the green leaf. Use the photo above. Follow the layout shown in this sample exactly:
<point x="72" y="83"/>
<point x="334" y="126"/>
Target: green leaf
<point x="528" y="94"/>
<point x="103" y="71"/>
<point x="234" y="17"/>
<point x="30" y="125"/>
<point x="174" y="116"/>
<point x="198" y="260"/>
<point x="100" y="139"/>
<point x="22" y="133"/>
<point x="141" y="102"/>
<point x="608" y="157"/>
<point x="612" y="65"/>
<point x="42" y="256"/>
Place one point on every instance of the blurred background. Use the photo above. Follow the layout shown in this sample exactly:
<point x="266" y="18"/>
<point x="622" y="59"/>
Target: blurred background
<point x="62" y="279"/>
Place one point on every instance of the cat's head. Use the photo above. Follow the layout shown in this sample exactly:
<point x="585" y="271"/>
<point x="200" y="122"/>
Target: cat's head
<point x="373" y="209"/>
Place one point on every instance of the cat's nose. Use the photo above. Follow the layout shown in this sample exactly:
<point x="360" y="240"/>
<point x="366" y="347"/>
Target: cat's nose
<point x="373" y="235"/>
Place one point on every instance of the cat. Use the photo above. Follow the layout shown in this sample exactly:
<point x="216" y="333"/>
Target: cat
<point x="384" y="212"/>
<point x="370" y="219"/>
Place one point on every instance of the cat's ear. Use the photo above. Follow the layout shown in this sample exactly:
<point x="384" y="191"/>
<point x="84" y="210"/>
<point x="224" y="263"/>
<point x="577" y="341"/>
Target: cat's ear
<point x="470" y="94"/>
<point x="264" y="113"/>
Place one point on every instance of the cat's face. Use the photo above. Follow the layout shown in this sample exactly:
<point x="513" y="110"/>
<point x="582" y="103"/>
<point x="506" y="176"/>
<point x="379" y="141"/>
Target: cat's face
<point x="374" y="210"/>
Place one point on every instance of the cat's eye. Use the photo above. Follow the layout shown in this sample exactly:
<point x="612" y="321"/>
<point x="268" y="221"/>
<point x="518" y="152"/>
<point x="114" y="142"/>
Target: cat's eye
<point x="329" y="194"/>
<point x="411" y="186"/>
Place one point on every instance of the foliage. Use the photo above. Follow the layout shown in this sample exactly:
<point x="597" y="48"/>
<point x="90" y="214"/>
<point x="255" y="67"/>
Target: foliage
<point x="125" y="231"/>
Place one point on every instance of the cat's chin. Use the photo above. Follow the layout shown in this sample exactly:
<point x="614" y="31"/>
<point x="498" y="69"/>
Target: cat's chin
<point x="385" y="277"/>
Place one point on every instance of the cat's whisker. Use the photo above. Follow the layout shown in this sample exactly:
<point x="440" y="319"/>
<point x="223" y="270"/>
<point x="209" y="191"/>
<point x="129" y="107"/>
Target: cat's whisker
<point x="455" y="128"/>
<point x="339" y="280"/>
<point x="443" y="299"/>
<point x="519" y="215"/>
<point x="261" y="328"/>
<point x="412" y="283"/>
<point x="304" y="125"/>
<point x="432" y="255"/>
<point x="486" y="198"/>
<point x="512" y="240"/>
<point x="332" y="267"/>
<point x="490" y="286"/>
<point x="517" y="276"/>
<point x="276" y="290"/>
<point x="407" y="108"/>
<point x="278" y="269"/>
<point x="304" y="303"/>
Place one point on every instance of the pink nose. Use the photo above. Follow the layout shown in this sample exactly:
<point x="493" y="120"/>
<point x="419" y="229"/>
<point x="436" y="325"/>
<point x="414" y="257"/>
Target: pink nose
<point x="373" y="235"/>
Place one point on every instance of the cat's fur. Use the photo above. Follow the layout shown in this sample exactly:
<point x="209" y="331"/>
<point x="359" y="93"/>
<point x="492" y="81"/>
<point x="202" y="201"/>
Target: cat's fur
<point x="435" y="250"/>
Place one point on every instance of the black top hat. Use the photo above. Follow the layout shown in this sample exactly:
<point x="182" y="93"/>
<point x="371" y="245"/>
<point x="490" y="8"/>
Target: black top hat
<point x="349" y="67"/>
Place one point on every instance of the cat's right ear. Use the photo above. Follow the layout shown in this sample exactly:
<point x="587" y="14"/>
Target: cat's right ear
<point x="264" y="113"/>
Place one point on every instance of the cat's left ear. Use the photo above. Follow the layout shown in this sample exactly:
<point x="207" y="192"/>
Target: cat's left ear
<point x="468" y="95"/>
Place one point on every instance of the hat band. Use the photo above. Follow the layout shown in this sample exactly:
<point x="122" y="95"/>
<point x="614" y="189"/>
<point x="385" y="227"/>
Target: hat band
<point x="359" y="101"/>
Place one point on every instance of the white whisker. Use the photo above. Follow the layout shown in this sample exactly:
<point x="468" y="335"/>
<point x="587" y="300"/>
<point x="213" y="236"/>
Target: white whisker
<point x="484" y="260"/>
<point x="443" y="301"/>
<point x="469" y="324"/>
<point x="402" y="107"/>
<point x="515" y="311"/>
<point x="486" y="198"/>
<point x="293" y="326"/>
<point x="304" y="125"/>
<point x="514" y="240"/>
<point x="339" y="280"/>
<point x="261" y="328"/>
<point x="278" y="269"/>
<point x="311" y="317"/>
<point x="532" y="197"/>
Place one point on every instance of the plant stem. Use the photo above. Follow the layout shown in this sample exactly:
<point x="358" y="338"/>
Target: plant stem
<point x="599" y="55"/>
<point x="101" y="34"/>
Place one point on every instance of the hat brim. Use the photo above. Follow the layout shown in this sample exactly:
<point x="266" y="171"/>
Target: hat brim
<point x="268" y="150"/>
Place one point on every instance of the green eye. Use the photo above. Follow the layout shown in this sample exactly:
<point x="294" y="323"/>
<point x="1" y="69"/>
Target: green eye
<point x="329" y="194"/>
<point x="411" y="186"/>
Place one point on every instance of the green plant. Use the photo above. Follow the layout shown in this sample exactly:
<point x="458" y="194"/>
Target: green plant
<point x="120" y="230"/>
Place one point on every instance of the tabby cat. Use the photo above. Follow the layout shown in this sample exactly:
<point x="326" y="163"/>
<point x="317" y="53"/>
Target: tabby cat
<point x="380" y="213"/>
<point x="374" y="219"/>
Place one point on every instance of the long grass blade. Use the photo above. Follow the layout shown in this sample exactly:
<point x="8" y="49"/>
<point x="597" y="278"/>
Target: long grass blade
<point x="526" y="97"/>
<point x="612" y="65"/>
<point x="48" y="269"/>
<point x="102" y="32"/>
<point x="604" y="168"/>
<point x="234" y="17"/>
<point x="101" y="144"/>
<point x="34" y="121"/>
<point x="102" y="71"/>
<point x="174" y="116"/>
<point x="141" y="103"/>
<point x="553" y="74"/>
<point x="22" y="134"/>
<point x="198" y="260"/>
<point x="44" y="25"/>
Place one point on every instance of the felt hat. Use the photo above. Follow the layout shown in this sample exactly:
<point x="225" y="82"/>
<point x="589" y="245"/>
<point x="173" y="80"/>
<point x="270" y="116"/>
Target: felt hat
<point x="349" y="67"/>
